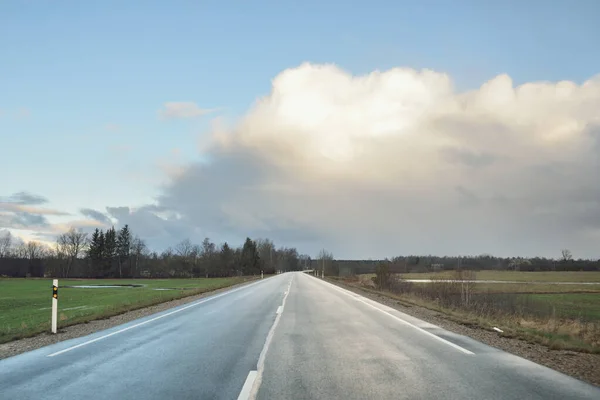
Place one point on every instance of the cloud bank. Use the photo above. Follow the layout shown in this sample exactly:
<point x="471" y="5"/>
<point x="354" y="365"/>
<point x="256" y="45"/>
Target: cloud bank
<point x="392" y="162"/>
<point x="21" y="211"/>
<point x="399" y="162"/>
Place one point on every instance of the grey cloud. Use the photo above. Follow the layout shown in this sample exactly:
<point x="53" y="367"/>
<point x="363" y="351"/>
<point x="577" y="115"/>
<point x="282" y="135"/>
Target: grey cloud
<point x="223" y="201"/>
<point x="467" y="197"/>
<point x="27" y="219"/>
<point x="118" y="212"/>
<point x="25" y="198"/>
<point x="468" y="158"/>
<point x="310" y="171"/>
<point x="96" y="215"/>
<point x="26" y="202"/>
<point x="23" y="220"/>
<point x="20" y="211"/>
<point x="158" y="232"/>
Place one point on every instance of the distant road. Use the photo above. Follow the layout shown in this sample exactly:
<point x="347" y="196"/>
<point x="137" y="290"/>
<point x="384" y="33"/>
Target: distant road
<point x="273" y="340"/>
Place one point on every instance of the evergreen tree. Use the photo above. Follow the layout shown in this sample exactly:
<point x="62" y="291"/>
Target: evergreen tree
<point x="123" y="249"/>
<point x="208" y="257"/>
<point x="226" y="261"/>
<point x="95" y="253"/>
<point x="249" y="259"/>
<point x="92" y="251"/>
<point x="109" y="253"/>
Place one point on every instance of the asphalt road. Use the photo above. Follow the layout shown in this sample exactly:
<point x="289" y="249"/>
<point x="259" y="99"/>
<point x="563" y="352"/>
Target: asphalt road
<point x="291" y="336"/>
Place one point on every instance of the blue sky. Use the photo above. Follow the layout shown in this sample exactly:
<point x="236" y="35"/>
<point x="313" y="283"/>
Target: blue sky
<point x="81" y="82"/>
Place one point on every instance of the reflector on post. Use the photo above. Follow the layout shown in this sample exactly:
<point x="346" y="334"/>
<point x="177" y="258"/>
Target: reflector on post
<point x="54" y="305"/>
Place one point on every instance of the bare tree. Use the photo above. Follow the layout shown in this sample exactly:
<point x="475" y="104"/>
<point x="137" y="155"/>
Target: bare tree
<point x="185" y="251"/>
<point x="138" y="247"/>
<point x="305" y="261"/>
<point x="267" y="253"/>
<point x="517" y="262"/>
<point x="20" y="250"/>
<point x="208" y="256"/>
<point x="184" y="248"/>
<point x="69" y="245"/>
<point x="566" y="254"/>
<point x="466" y="283"/>
<point x="196" y="258"/>
<point x="5" y="244"/>
<point x="34" y="250"/>
<point x="325" y="261"/>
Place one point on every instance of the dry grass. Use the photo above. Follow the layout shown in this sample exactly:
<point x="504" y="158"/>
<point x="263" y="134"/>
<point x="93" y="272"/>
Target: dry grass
<point x="484" y="287"/>
<point x="557" y="334"/>
<point x="519" y="276"/>
<point x="520" y="315"/>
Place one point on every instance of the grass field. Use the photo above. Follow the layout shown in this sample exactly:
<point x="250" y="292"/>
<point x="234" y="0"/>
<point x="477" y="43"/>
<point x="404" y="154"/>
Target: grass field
<point x="524" y="287"/>
<point x="558" y="315"/>
<point x="25" y="304"/>
<point x="519" y="276"/>
<point x="585" y="306"/>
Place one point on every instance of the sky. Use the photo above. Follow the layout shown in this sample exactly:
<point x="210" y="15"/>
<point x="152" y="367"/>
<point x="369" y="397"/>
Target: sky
<point x="371" y="129"/>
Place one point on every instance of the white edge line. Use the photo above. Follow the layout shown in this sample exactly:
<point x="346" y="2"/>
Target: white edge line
<point x="245" y="393"/>
<point x="361" y="299"/>
<point x="279" y="309"/>
<point x="261" y="359"/>
<point x="152" y="320"/>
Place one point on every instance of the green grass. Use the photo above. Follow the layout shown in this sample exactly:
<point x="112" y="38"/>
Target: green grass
<point x="536" y="288"/>
<point x="547" y="276"/>
<point x="584" y="306"/>
<point x="25" y="304"/>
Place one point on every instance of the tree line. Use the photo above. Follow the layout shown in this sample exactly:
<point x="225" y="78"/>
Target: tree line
<point x="428" y="263"/>
<point x="113" y="253"/>
<point x="118" y="253"/>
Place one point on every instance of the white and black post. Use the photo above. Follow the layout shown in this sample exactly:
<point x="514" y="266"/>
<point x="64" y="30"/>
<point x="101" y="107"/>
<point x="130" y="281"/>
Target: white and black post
<point x="54" y="304"/>
<point x="261" y="274"/>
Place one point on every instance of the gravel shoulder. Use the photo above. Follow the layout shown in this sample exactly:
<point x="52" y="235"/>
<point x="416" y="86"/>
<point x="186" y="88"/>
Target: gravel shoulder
<point x="583" y="366"/>
<point x="74" y="331"/>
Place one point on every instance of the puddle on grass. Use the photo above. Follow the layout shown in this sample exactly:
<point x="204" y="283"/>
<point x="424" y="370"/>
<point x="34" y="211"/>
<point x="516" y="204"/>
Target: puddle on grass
<point x="102" y="286"/>
<point x="69" y="309"/>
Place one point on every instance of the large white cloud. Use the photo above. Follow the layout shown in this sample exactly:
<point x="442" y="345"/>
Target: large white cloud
<point x="400" y="162"/>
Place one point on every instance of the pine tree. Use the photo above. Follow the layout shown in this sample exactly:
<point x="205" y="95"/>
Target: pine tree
<point x="226" y="259"/>
<point x="123" y="248"/>
<point x="95" y="253"/>
<point x="249" y="259"/>
<point x="92" y="251"/>
<point x="109" y="252"/>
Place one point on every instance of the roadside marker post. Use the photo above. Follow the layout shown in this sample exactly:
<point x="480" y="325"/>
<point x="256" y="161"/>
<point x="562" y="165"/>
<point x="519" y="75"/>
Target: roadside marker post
<point x="54" y="304"/>
<point x="261" y="274"/>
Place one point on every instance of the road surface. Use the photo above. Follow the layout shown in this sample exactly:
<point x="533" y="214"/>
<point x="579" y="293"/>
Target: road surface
<point x="291" y="336"/>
